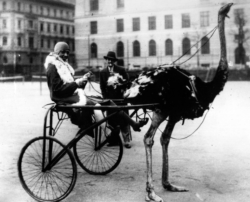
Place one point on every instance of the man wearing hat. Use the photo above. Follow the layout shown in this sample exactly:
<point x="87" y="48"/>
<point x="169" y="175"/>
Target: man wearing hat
<point x="106" y="72"/>
<point x="109" y="92"/>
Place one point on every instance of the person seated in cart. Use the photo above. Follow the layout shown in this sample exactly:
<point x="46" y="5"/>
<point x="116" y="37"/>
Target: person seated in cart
<point x="65" y="89"/>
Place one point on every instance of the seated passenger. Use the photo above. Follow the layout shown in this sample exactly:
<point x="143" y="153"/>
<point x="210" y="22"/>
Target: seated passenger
<point x="67" y="90"/>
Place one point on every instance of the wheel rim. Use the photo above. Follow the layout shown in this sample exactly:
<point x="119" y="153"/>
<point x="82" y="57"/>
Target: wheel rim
<point x="101" y="161"/>
<point x="51" y="185"/>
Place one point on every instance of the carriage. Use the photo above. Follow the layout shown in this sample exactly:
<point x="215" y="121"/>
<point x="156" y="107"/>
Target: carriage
<point x="47" y="167"/>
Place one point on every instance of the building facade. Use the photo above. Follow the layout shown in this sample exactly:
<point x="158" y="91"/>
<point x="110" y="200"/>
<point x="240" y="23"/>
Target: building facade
<point x="155" y="32"/>
<point x="29" y="30"/>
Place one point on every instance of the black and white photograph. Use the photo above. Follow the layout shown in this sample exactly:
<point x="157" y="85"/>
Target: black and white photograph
<point x="124" y="100"/>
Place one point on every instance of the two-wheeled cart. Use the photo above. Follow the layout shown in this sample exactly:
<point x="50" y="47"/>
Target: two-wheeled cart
<point x="47" y="168"/>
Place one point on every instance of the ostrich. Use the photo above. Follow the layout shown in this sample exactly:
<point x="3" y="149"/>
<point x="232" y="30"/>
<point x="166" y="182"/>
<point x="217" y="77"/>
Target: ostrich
<point x="181" y="96"/>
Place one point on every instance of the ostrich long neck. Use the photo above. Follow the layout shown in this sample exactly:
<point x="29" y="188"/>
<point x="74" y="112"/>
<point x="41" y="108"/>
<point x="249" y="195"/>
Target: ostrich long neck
<point x="223" y="52"/>
<point x="221" y="75"/>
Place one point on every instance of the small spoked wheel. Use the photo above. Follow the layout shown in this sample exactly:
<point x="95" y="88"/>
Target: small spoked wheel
<point x="99" y="154"/>
<point x="45" y="183"/>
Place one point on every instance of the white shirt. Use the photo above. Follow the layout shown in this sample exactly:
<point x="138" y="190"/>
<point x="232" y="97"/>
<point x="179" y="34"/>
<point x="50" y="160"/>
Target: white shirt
<point x="111" y="69"/>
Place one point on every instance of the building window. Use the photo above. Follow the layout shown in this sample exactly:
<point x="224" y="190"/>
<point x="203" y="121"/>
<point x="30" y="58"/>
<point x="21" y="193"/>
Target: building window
<point x="48" y="44"/>
<point x="204" y="18"/>
<point x="168" y="47"/>
<point x="185" y="20"/>
<point x="93" y="50"/>
<point x="205" y="46"/>
<point x="41" y="10"/>
<point x="120" y="49"/>
<point x="18" y="6"/>
<point x="61" y="13"/>
<point x="4" y="23"/>
<point x="54" y="12"/>
<point x="31" y="60"/>
<point x="136" y="24"/>
<point x="152" y="48"/>
<point x="240" y="55"/>
<point x="48" y="28"/>
<point x="186" y="46"/>
<point x="30" y="24"/>
<point x="152" y="23"/>
<point x="67" y="29"/>
<point x="120" y="3"/>
<point x="73" y="30"/>
<point x="168" y="21"/>
<point x="136" y="49"/>
<point x="93" y="27"/>
<point x="5" y="41"/>
<point x="41" y="27"/>
<point x="19" y="59"/>
<point x="94" y="5"/>
<point x="119" y="25"/>
<point x="31" y="8"/>
<point x="73" y="46"/>
<point x="42" y="43"/>
<point x="4" y="6"/>
<point x="31" y="42"/>
<point x="19" y="41"/>
<point x="67" y="14"/>
<point x="48" y="11"/>
<point x="55" y="28"/>
<point x="19" y="24"/>
<point x="5" y="60"/>
<point x="61" y="29"/>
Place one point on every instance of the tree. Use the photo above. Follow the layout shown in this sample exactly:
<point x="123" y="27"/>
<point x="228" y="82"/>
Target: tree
<point x="241" y="36"/>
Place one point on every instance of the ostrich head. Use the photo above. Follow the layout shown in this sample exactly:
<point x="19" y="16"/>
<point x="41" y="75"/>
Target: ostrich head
<point x="225" y="9"/>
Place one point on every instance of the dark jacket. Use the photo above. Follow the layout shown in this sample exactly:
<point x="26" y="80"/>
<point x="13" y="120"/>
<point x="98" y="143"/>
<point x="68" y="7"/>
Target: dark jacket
<point x="60" y="92"/>
<point x="109" y="92"/>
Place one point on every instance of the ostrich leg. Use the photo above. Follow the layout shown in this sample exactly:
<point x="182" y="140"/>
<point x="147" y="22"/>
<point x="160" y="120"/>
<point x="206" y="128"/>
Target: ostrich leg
<point x="165" y="139"/>
<point x="157" y="119"/>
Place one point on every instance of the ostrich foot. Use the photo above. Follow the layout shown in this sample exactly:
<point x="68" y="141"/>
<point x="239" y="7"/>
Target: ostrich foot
<point x="174" y="188"/>
<point x="151" y="196"/>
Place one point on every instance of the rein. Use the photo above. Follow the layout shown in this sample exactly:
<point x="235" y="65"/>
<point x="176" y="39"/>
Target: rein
<point x="212" y="31"/>
<point x="191" y="80"/>
<point x="187" y="135"/>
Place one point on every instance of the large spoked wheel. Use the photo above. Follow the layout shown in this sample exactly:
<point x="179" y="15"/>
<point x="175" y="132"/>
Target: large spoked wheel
<point x="52" y="184"/>
<point x="97" y="155"/>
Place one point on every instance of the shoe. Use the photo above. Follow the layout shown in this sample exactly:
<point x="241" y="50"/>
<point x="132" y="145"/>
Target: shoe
<point x="127" y="145"/>
<point x="141" y="123"/>
<point x="113" y="138"/>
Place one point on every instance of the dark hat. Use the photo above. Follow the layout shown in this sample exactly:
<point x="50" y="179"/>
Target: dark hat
<point x="61" y="46"/>
<point x="111" y="55"/>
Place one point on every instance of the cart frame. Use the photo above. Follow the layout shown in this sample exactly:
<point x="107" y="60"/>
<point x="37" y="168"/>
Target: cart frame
<point x="51" y="160"/>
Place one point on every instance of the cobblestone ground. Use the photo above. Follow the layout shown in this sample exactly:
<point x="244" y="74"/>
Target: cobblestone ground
<point x="213" y="163"/>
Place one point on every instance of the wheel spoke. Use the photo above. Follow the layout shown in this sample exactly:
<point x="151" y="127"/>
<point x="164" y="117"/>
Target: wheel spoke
<point x="101" y="161"/>
<point x="53" y="184"/>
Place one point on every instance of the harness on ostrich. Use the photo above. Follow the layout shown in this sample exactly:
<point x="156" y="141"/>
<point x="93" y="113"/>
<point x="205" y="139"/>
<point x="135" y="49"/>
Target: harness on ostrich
<point x="195" y="108"/>
<point x="191" y="78"/>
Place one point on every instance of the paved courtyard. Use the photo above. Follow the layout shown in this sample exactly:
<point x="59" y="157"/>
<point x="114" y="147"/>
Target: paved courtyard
<point x="213" y="163"/>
